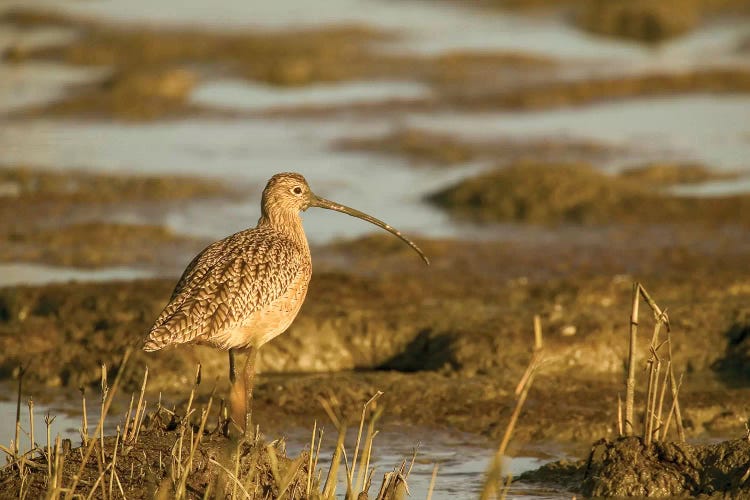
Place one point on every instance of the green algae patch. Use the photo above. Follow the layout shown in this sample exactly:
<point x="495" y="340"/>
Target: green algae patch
<point x="580" y="194"/>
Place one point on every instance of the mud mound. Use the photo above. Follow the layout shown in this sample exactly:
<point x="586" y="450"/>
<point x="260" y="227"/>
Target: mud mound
<point x="579" y="194"/>
<point x="664" y="174"/>
<point x="96" y="244"/>
<point x="641" y="20"/>
<point x="628" y="467"/>
<point x="153" y="465"/>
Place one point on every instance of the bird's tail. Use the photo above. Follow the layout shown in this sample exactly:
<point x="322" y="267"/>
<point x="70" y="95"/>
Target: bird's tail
<point x="154" y="343"/>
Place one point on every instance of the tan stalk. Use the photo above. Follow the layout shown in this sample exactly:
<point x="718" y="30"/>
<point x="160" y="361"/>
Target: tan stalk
<point x="84" y="419"/>
<point x="48" y="422"/>
<point x="493" y="477"/>
<point x="31" y="425"/>
<point x="365" y="459"/>
<point x="291" y="471"/>
<point x="194" y="443"/>
<point x="310" y="458"/>
<point x="126" y="425"/>
<point x="16" y="449"/>
<point x="236" y="482"/>
<point x="114" y="462"/>
<point x="665" y="382"/>
<point x="673" y="410"/>
<point x="675" y="390"/>
<point x="237" y="454"/>
<point x="100" y="424"/>
<point x="317" y="452"/>
<point x="431" y="487"/>
<point x="140" y="408"/>
<point x="630" y="382"/>
<point x="359" y="433"/>
<point x="96" y="483"/>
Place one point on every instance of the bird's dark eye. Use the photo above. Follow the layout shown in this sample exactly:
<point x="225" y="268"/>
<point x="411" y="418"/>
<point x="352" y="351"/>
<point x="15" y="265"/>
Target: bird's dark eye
<point x="297" y="190"/>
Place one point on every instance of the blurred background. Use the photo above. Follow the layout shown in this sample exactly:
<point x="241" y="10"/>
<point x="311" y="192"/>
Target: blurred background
<point x="519" y="141"/>
<point x="381" y="103"/>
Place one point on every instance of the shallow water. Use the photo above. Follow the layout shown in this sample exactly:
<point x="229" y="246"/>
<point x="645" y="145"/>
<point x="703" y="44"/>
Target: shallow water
<point x="18" y="273"/>
<point x="67" y="418"/>
<point x="462" y="458"/>
<point x="240" y="94"/>
<point x="707" y="128"/>
<point x="246" y="152"/>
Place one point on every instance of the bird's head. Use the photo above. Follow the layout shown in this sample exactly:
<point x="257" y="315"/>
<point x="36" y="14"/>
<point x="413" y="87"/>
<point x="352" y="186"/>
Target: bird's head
<point x="290" y="193"/>
<point x="287" y="192"/>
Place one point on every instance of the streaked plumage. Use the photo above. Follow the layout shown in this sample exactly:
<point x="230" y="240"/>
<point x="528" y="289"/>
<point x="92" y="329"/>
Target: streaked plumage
<point x="244" y="290"/>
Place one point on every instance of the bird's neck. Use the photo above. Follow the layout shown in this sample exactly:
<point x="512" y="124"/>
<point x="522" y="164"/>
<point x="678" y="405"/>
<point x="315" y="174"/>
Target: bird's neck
<point x="288" y="224"/>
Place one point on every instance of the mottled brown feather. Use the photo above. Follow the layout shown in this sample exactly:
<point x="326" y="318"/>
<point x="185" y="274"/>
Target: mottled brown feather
<point x="225" y="287"/>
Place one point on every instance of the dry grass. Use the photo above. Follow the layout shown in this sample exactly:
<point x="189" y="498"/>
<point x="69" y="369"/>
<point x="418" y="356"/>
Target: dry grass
<point x="164" y="455"/>
<point x="654" y="426"/>
<point x="496" y="483"/>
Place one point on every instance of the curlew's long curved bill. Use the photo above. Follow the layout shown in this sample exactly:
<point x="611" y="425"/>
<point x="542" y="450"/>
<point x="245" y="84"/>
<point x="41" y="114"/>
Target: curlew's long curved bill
<point x="317" y="201"/>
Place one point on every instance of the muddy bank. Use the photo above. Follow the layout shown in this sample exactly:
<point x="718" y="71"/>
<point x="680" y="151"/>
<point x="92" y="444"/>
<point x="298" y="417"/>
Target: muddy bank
<point x="426" y="147"/>
<point x="640" y="20"/>
<point x="27" y="185"/>
<point x="447" y="346"/>
<point x="66" y="218"/>
<point x="627" y="467"/>
<point x="636" y="20"/>
<point x="97" y="244"/>
<point x="651" y="22"/>
<point x="580" y="194"/>
<point x="164" y="457"/>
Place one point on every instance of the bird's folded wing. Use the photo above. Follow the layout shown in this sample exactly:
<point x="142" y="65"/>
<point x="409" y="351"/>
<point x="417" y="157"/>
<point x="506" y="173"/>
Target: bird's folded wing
<point x="226" y="283"/>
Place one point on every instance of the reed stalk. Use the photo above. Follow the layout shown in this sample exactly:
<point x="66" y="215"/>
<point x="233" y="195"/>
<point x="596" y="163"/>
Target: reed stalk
<point x="630" y="381"/>
<point x="100" y="424"/>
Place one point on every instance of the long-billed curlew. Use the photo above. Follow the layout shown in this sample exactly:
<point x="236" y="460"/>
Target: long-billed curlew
<point x="244" y="290"/>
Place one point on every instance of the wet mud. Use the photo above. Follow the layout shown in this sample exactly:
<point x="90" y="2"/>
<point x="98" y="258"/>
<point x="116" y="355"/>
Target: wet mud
<point x="627" y="467"/>
<point x="163" y="457"/>
<point x="446" y="346"/>
<point x="579" y="194"/>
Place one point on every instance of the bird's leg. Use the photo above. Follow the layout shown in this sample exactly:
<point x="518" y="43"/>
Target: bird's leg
<point x="249" y="381"/>
<point x="236" y="394"/>
<point x="232" y="373"/>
